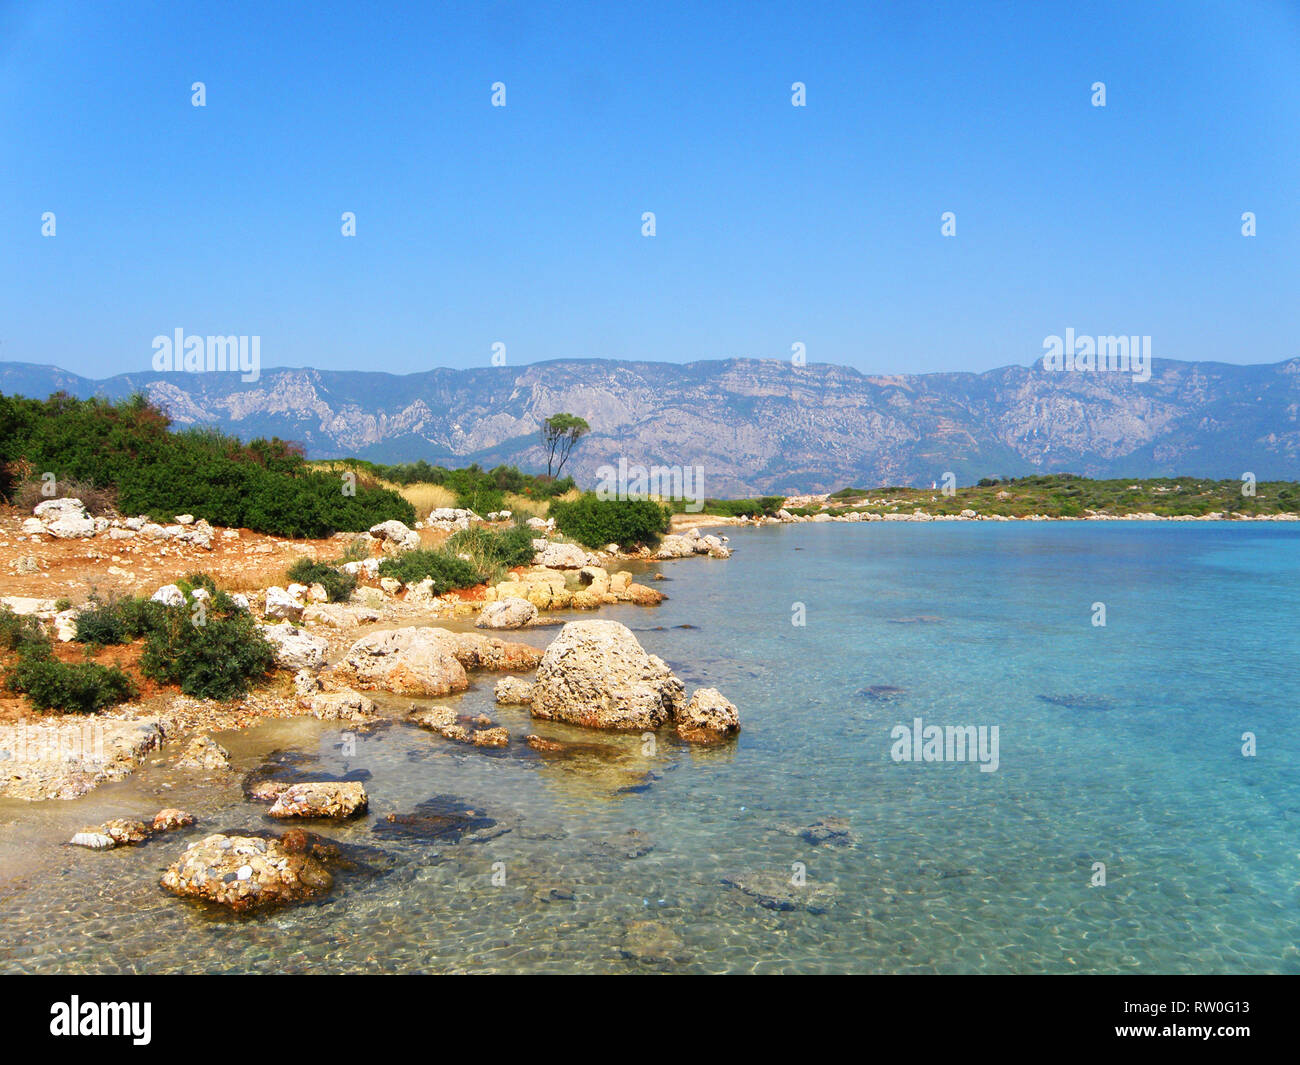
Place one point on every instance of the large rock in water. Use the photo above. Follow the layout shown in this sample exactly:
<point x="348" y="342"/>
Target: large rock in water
<point x="245" y="872"/>
<point x="509" y="613"/>
<point x="407" y="661"/>
<point x="326" y="798"/>
<point x="708" y="717"/>
<point x="596" y="674"/>
<point x="430" y="661"/>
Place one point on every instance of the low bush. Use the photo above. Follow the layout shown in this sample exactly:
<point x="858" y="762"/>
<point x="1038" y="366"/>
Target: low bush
<point x="19" y="630"/>
<point x="447" y="571"/>
<point x="490" y="550"/>
<point x="117" y="620"/>
<point x="128" y="448"/>
<point x="80" y="687"/>
<point x="212" y="654"/>
<point x="338" y="585"/>
<point x="596" y="522"/>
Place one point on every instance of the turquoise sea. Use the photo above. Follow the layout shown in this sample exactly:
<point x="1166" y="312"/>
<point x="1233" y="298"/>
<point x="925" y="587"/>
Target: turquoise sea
<point x="1120" y="745"/>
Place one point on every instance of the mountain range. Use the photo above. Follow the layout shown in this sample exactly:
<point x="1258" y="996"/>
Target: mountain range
<point x="755" y="426"/>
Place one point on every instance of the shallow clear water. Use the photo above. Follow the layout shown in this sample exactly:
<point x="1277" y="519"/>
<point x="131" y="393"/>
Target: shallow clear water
<point x="1137" y="765"/>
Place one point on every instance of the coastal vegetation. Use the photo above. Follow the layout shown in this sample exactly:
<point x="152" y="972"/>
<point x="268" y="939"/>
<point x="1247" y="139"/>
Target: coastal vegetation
<point x="338" y="585"/>
<point x="51" y="684"/>
<point x="471" y="487"/>
<point x="1068" y="496"/>
<point x="445" y="569"/>
<point x="594" y="522"/>
<point x="129" y="453"/>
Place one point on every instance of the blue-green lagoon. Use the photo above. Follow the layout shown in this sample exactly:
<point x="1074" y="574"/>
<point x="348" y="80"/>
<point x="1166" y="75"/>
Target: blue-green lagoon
<point x="803" y="846"/>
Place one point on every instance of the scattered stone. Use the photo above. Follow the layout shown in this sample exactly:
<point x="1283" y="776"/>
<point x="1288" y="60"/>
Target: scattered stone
<point x="203" y="752"/>
<point x="281" y="603"/>
<point x="511" y="613"/>
<point x="513" y="691"/>
<point x="295" y="648"/>
<point x="168" y="595"/>
<point x="332" y="799"/>
<point x="246" y="872"/>
<point x="168" y="819"/>
<point x="708" y="718"/>
<point x="396" y="536"/>
<point x="490" y="737"/>
<point x="98" y="841"/>
<point x="344" y="706"/>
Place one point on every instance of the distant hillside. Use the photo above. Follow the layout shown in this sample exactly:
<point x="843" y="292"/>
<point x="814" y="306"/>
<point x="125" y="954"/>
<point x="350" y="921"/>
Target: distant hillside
<point x="758" y="426"/>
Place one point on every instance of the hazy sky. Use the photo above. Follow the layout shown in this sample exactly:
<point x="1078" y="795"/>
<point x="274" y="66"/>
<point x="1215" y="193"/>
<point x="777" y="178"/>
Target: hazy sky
<point x="523" y="225"/>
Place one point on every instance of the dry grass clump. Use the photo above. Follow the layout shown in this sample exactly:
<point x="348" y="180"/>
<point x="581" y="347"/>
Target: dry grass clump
<point x="98" y="501"/>
<point x="424" y="497"/>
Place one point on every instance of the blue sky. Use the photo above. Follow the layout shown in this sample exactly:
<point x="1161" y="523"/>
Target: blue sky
<point x="522" y="224"/>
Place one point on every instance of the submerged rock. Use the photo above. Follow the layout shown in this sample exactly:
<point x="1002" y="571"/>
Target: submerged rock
<point x="203" y="752"/>
<point x="246" y="872"/>
<point x="652" y="941"/>
<point x="832" y="830"/>
<point x="1080" y="702"/>
<point x="513" y="691"/>
<point x="596" y="674"/>
<point x="170" y="818"/>
<point x="774" y="891"/>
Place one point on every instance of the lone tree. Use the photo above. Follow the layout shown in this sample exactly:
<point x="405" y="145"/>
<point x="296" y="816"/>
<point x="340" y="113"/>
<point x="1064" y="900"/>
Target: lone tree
<point x="559" y="433"/>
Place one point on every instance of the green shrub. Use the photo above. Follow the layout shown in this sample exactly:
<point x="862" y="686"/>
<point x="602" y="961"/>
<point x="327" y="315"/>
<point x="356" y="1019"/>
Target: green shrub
<point x="116" y="621"/>
<point x="81" y="687"/>
<point x="447" y="571"/>
<point x="214" y="659"/>
<point x="596" y="522"/>
<point x="338" y="585"/>
<point x="736" y="508"/>
<point x="489" y="549"/>
<point x="264" y="485"/>
<point x="19" y="630"/>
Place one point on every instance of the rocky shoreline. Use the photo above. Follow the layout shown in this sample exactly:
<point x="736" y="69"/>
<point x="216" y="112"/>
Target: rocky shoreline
<point x="334" y="659"/>
<point x="389" y="639"/>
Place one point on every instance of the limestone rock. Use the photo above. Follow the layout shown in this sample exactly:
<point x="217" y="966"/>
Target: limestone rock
<point x="708" y="717"/>
<point x="343" y="706"/>
<point x="281" y="603"/>
<point x="245" y="872"/>
<point x="513" y="691"/>
<point x="509" y="613"/>
<point x="170" y="818"/>
<point x="203" y="752"/>
<point x="332" y="799"/>
<point x="295" y="648"/>
<point x="408" y="661"/>
<point x="595" y="673"/>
